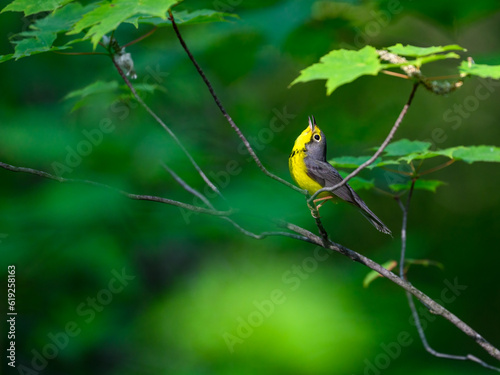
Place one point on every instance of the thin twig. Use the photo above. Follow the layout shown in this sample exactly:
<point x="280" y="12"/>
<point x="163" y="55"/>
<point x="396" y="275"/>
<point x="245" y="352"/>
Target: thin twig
<point x="435" y="353"/>
<point x="226" y="115"/>
<point x="169" y="131"/>
<point x="129" y="195"/>
<point x="141" y="37"/>
<point x="402" y="275"/>
<point x="391" y="73"/>
<point x="187" y="187"/>
<point x="403" y="228"/>
<point x="377" y="153"/>
<point x="432" y="305"/>
<point x="246" y="232"/>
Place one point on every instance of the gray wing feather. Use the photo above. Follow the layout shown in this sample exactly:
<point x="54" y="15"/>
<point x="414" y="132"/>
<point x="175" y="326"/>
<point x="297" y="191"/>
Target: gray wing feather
<point x="325" y="175"/>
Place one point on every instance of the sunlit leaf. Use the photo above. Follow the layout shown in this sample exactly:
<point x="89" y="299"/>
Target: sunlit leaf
<point x="473" y="154"/>
<point x="469" y="154"/>
<point x="480" y="70"/>
<point x="372" y="275"/>
<point x="342" y="66"/>
<point x="42" y="34"/>
<point x="414" y="51"/>
<point x="31" y="7"/>
<point x="109" y="15"/>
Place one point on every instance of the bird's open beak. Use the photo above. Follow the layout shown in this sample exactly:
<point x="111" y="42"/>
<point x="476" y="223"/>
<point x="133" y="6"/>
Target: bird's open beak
<point x="312" y="122"/>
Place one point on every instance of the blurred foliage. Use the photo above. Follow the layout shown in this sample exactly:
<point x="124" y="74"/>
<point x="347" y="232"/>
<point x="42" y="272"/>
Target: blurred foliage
<point x="189" y="279"/>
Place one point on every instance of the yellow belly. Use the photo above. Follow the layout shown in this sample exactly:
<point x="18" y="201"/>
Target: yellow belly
<point x="299" y="174"/>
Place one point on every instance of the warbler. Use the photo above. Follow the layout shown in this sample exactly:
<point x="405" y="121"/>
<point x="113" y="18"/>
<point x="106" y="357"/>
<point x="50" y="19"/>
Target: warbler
<point x="311" y="171"/>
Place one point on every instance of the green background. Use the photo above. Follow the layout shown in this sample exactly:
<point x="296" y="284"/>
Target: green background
<point x="194" y="279"/>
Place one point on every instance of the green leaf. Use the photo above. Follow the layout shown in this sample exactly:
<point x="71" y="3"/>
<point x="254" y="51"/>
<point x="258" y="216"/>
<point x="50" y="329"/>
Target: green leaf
<point x="342" y="66"/>
<point x="427" y="59"/>
<point x="468" y="154"/>
<point x="405" y="147"/>
<point x="4" y="58"/>
<point x="351" y="161"/>
<point x="480" y="70"/>
<point x="94" y="88"/>
<point x="184" y="18"/>
<point x="31" y="7"/>
<point x="145" y="87"/>
<point x="372" y="275"/>
<point x="420" y="184"/>
<point x="358" y="183"/>
<point x="43" y="32"/>
<point x="477" y="153"/>
<point x="109" y="15"/>
<point x="413" y="51"/>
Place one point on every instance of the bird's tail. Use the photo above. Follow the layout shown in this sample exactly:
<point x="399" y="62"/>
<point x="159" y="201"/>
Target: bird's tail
<point x="376" y="222"/>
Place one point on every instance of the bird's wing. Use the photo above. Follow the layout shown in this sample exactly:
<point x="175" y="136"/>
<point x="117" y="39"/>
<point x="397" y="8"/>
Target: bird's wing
<point x="325" y="175"/>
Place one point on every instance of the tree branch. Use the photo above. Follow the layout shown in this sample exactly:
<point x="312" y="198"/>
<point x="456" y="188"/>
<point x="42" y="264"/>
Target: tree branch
<point x="226" y="115"/>
<point x="152" y="198"/>
<point x="416" y="317"/>
<point x="432" y="305"/>
<point x="377" y="153"/>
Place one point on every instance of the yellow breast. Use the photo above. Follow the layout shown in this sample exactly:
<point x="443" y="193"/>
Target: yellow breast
<point x="299" y="174"/>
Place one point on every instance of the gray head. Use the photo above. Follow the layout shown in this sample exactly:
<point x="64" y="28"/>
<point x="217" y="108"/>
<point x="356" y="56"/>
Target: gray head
<point x="316" y="144"/>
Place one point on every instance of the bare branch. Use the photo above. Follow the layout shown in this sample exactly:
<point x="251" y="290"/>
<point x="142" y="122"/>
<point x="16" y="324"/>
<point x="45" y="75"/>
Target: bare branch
<point x="226" y="115"/>
<point x="129" y="195"/>
<point x="432" y="305"/>
<point x="377" y="153"/>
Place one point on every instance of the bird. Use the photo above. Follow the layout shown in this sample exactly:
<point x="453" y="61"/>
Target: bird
<point x="311" y="171"/>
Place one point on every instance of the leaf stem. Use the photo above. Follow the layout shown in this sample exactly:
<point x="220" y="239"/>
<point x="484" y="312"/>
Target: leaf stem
<point x="444" y="165"/>
<point x="141" y="37"/>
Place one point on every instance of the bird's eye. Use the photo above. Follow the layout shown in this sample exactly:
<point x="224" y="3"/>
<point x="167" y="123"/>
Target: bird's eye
<point x="316" y="137"/>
